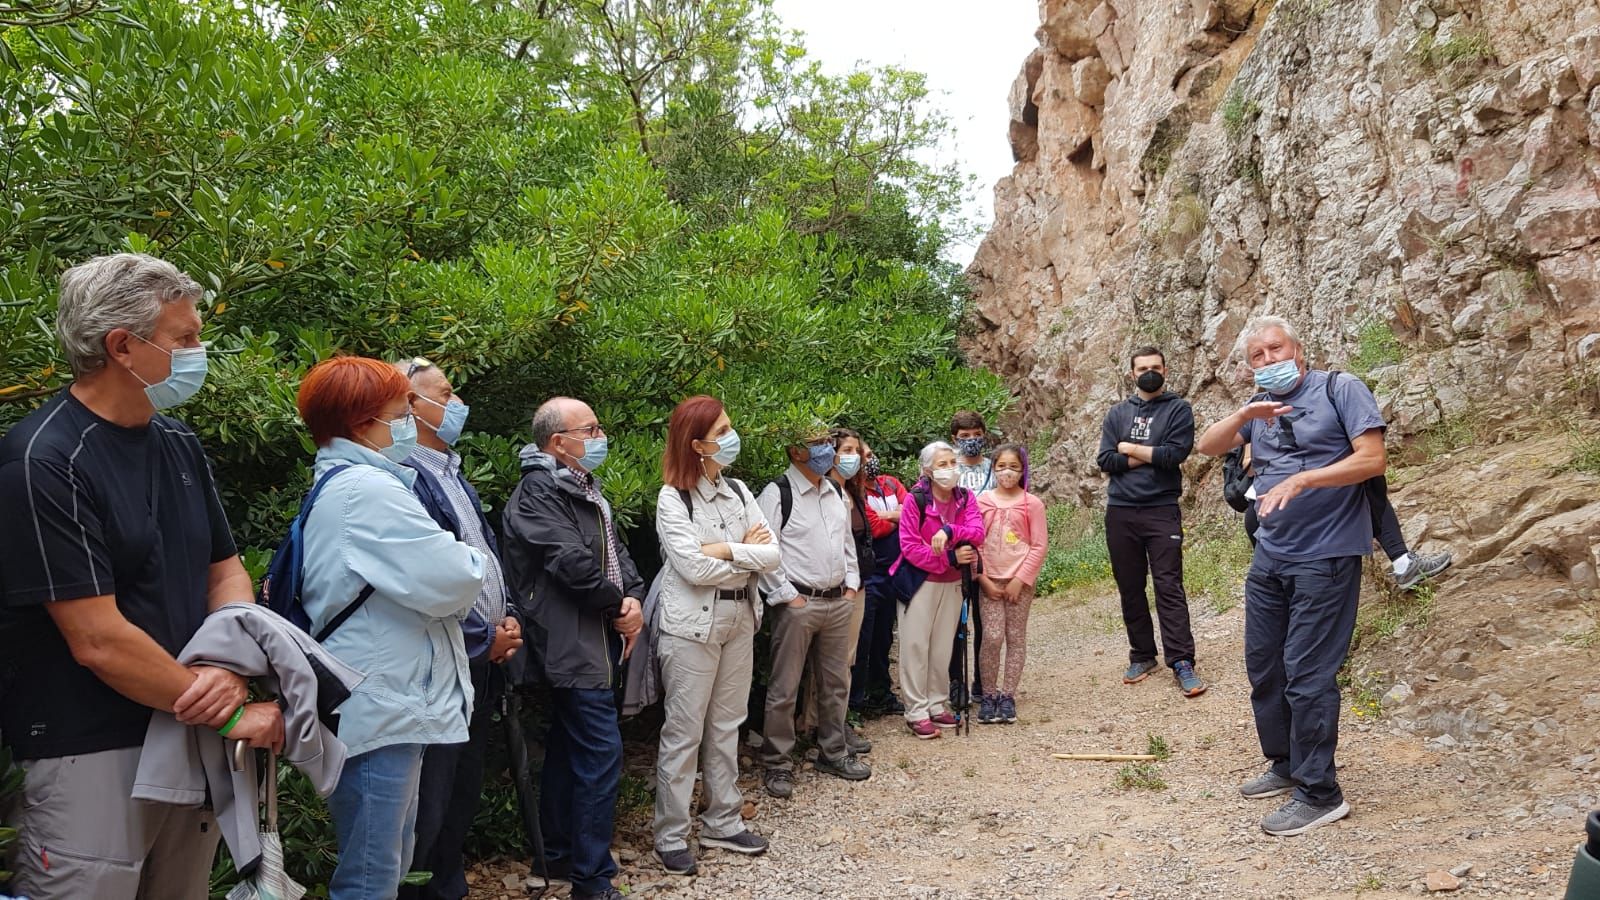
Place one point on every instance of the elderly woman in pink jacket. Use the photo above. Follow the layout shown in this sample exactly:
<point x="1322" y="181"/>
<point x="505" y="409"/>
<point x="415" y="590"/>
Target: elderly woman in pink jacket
<point x="940" y="531"/>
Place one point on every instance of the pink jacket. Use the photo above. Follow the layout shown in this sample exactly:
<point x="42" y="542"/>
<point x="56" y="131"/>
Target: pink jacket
<point x="1017" y="539"/>
<point x="964" y="522"/>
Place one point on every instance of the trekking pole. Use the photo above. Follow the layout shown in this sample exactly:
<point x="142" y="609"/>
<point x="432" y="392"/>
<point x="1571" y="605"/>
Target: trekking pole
<point x="522" y="778"/>
<point x="968" y="583"/>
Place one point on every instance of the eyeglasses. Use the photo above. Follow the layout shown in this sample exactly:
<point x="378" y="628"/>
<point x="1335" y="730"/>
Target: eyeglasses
<point x="417" y="365"/>
<point x="588" y="431"/>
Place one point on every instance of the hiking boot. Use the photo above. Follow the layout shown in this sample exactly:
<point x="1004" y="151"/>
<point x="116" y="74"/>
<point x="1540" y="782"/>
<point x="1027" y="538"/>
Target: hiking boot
<point x="847" y="767"/>
<point x="779" y="783"/>
<point x="1188" y="681"/>
<point x="959" y="697"/>
<point x="1422" y="566"/>
<point x="1008" y="710"/>
<point x="893" y="705"/>
<point x="1299" y="817"/>
<point x="609" y="893"/>
<point x="1138" y="671"/>
<point x="988" y="709"/>
<point x="924" y="729"/>
<point x="855" y="743"/>
<point x="945" y="720"/>
<point x="678" y="862"/>
<point x="1267" y="784"/>
<point x="747" y="842"/>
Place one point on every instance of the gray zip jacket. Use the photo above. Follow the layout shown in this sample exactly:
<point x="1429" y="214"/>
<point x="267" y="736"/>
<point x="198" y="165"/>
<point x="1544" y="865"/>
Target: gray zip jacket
<point x="183" y="765"/>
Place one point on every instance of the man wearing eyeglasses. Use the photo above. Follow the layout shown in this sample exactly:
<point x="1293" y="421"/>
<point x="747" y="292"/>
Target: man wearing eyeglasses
<point x="452" y="774"/>
<point x="1311" y="450"/>
<point x="567" y="565"/>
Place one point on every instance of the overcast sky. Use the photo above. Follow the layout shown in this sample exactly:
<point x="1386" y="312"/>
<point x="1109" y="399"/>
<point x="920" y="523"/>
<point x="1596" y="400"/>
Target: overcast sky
<point x="971" y="52"/>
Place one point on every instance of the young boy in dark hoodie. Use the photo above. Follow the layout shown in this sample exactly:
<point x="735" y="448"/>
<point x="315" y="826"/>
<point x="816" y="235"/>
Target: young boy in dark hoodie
<point x="1143" y="441"/>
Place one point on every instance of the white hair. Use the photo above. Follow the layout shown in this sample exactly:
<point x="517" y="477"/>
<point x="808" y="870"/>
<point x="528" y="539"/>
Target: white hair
<point x="126" y="290"/>
<point x="1260" y="324"/>
<point x="925" y="458"/>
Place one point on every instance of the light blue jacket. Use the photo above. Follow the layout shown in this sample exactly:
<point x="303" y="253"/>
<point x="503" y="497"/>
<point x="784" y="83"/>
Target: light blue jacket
<point x="367" y="527"/>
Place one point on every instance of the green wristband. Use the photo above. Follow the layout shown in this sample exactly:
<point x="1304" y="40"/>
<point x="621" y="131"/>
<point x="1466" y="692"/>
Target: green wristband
<point x="237" y="715"/>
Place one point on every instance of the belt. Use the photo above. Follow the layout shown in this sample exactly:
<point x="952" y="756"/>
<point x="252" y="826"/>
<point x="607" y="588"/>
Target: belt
<point x="737" y="594"/>
<point x="811" y="593"/>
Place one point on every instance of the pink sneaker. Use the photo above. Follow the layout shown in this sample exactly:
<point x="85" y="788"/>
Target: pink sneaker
<point x="945" y="720"/>
<point x="924" y="730"/>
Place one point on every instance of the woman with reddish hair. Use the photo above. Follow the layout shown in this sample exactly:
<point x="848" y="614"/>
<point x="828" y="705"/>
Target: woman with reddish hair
<point x="714" y="540"/>
<point x="393" y="587"/>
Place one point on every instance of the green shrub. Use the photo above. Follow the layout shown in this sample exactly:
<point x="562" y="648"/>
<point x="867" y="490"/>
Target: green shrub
<point x="10" y="786"/>
<point x="1376" y="346"/>
<point x="1216" y="557"/>
<point x="1078" y="554"/>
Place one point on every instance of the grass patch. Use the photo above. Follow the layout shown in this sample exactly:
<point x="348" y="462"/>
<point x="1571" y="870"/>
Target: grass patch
<point x="1468" y="47"/>
<point x="1361" y="693"/>
<point x="1453" y="433"/>
<point x="970" y="771"/>
<point x="1585" y="449"/>
<point x="1156" y="746"/>
<point x="1216" y="556"/>
<point x="1078" y="554"/>
<point x="1376" y="346"/>
<point x="1390" y="610"/>
<point x="1238" y="114"/>
<point x="903" y="763"/>
<point x="1587" y="639"/>
<point x="1140" y="777"/>
<point x="634" y="797"/>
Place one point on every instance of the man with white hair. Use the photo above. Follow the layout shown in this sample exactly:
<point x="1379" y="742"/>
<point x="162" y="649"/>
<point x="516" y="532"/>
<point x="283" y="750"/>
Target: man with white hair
<point x="1311" y="448"/>
<point x="116" y="548"/>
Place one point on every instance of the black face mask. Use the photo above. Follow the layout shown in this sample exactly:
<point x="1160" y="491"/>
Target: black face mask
<point x="1151" y="381"/>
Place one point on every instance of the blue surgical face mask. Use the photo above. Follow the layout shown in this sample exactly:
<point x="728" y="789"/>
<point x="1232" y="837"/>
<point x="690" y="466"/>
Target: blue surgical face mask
<point x="595" y="450"/>
<point x="1278" y="377"/>
<point x="849" y="464"/>
<point x="402" y="438"/>
<point x="820" y="462"/>
<point x="188" y="373"/>
<point x="455" y="419"/>
<point x="727" y="449"/>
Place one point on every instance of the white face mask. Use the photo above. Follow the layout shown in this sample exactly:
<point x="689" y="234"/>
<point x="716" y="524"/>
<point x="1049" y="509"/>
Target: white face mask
<point x="948" y="478"/>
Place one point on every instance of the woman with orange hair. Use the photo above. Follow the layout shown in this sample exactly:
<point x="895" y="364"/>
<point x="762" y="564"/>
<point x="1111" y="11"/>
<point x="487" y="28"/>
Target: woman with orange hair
<point x="394" y="587"/>
<point x="714" y="539"/>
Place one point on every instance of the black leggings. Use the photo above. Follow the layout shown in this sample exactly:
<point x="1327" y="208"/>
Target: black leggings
<point x="1385" y="524"/>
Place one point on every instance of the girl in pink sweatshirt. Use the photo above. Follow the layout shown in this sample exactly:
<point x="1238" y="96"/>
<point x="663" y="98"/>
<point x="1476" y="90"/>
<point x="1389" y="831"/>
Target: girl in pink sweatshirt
<point x="1015" y="543"/>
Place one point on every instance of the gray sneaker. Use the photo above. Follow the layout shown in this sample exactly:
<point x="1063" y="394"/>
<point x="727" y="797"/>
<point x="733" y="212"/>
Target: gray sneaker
<point x="855" y="743"/>
<point x="779" y="783"/>
<point x="847" y="767"/>
<point x="1298" y="817"/>
<point x="747" y="842"/>
<point x="1138" y="671"/>
<point x="678" y="862"/>
<point x="1269" y="784"/>
<point x="1423" y="567"/>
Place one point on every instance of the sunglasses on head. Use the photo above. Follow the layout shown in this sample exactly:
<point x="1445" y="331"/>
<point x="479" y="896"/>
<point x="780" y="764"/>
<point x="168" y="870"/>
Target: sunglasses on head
<point x="417" y="364"/>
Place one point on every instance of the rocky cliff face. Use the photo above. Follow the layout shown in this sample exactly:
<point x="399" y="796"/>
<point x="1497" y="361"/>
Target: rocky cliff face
<point x="1416" y="183"/>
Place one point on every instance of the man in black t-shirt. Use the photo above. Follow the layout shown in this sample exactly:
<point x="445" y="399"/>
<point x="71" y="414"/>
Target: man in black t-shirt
<point x="116" y="547"/>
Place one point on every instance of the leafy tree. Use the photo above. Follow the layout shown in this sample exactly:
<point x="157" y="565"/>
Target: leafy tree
<point x="628" y="203"/>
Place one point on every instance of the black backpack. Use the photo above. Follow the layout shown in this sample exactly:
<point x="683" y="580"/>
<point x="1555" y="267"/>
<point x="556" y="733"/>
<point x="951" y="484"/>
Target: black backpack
<point x="1235" y="480"/>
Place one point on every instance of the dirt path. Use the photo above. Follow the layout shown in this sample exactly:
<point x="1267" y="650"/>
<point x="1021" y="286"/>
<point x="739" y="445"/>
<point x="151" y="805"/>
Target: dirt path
<point x="992" y="815"/>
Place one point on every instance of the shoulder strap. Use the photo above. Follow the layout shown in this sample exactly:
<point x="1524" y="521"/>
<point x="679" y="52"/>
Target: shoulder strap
<point x="316" y="488"/>
<point x="740" y="489"/>
<point x="1333" y="375"/>
<point x="687" y="505"/>
<point x="785" y="501"/>
<point x="347" y="612"/>
<point x="366" y="591"/>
